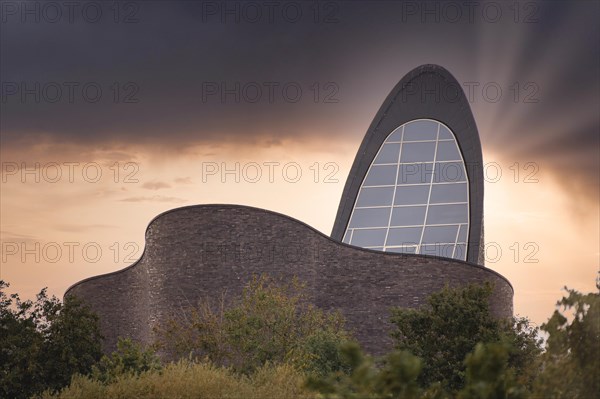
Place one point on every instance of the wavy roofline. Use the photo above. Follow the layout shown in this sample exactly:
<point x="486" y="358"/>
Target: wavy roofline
<point x="299" y="222"/>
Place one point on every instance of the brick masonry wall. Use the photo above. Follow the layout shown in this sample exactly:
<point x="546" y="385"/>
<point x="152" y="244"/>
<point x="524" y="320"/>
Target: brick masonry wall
<point x="203" y="251"/>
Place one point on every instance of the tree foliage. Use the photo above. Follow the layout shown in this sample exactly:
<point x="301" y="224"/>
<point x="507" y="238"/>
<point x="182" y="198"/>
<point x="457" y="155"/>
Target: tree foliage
<point x="44" y="342"/>
<point x="454" y="321"/>
<point x="188" y="380"/>
<point x="571" y="363"/>
<point x="270" y="337"/>
<point x="270" y="322"/>
<point x="130" y="358"/>
<point x="397" y="378"/>
<point x="488" y="375"/>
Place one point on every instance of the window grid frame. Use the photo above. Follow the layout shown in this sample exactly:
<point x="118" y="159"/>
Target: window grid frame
<point x="384" y="247"/>
<point x="437" y="136"/>
<point x="387" y="232"/>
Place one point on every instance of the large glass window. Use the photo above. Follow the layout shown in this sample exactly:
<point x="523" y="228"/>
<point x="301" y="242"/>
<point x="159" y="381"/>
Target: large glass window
<point x="415" y="196"/>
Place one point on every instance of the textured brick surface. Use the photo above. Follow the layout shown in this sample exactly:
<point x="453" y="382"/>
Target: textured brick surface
<point x="202" y="251"/>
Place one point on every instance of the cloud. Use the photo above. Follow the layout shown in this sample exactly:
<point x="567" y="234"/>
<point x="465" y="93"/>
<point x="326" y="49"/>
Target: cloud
<point x="72" y="228"/>
<point x="183" y="180"/>
<point x="10" y="236"/>
<point x="155" y="185"/>
<point x="154" y="198"/>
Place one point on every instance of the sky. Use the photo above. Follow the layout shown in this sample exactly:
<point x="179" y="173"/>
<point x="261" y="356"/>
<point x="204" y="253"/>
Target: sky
<point x="111" y="113"/>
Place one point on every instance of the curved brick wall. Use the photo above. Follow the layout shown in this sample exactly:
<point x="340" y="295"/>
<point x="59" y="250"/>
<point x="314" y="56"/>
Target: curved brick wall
<point x="201" y="251"/>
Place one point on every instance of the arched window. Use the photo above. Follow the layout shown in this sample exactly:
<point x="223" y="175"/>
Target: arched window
<point x="415" y="195"/>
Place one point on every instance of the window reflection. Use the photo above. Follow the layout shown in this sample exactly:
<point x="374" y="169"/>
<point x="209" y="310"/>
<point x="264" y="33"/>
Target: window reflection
<point x="415" y="197"/>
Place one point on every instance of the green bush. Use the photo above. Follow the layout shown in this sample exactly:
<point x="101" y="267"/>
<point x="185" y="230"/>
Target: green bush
<point x="323" y="365"/>
<point x="44" y="342"/>
<point x="507" y="363"/>
<point x="185" y="380"/>
<point x="322" y="354"/>
<point x="272" y="322"/>
<point x="454" y="321"/>
<point x="129" y="359"/>
<point x="571" y="363"/>
<point x="396" y="377"/>
<point x="488" y="375"/>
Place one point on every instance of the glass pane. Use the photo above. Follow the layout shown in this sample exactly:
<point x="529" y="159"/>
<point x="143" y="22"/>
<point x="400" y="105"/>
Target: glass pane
<point x="404" y="236"/>
<point x="417" y="152"/>
<point x="449" y="172"/>
<point x="347" y="237"/>
<point x="404" y="250"/>
<point x="395" y="136"/>
<point x="381" y="175"/>
<point x="447" y="151"/>
<point x="368" y="238"/>
<point x="409" y="195"/>
<point x="440" y="234"/>
<point x="372" y="217"/>
<point x="415" y="173"/>
<point x="447" y="214"/>
<point x="462" y="234"/>
<point x="375" y="196"/>
<point x="460" y="252"/>
<point x="408" y="216"/>
<point x="444" y="193"/>
<point x="445" y="134"/>
<point x="388" y="154"/>
<point x="444" y="250"/>
<point x="420" y="130"/>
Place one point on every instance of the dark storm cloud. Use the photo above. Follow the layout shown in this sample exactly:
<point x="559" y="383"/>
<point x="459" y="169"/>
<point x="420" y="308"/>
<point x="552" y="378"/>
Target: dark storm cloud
<point x="180" y="65"/>
<point x="170" y="64"/>
<point x="169" y="58"/>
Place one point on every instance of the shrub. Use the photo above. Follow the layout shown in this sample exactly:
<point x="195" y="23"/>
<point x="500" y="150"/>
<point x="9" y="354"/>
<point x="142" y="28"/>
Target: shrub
<point x="488" y="375"/>
<point x="571" y="363"/>
<point x="454" y="321"/>
<point x="397" y="378"/>
<point x="271" y="322"/>
<point x="191" y="380"/>
<point x="44" y="342"/>
<point x="129" y="359"/>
